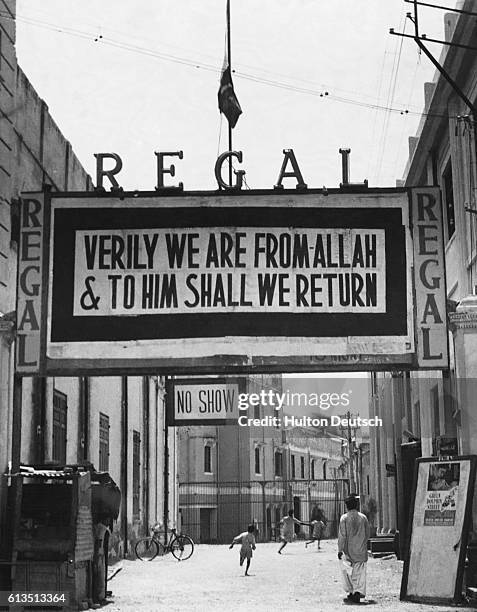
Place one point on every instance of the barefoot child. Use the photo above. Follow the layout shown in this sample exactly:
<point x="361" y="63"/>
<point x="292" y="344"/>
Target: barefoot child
<point x="247" y="539"/>
<point x="318" y="528"/>
<point x="288" y="530"/>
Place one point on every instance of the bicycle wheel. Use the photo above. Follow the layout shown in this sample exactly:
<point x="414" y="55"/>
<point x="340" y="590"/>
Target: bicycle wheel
<point x="182" y="547"/>
<point x="146" y="549"/>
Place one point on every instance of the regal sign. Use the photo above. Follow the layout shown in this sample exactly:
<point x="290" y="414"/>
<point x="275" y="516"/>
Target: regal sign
<point x="228" y="282"/>
<point x="429" y="261"/>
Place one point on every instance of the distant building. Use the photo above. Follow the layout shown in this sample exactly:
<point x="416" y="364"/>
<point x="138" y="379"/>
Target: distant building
<point x="231" y="475"/>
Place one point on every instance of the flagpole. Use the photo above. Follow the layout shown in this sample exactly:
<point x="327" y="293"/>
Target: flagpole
<point x="229" y="55"/>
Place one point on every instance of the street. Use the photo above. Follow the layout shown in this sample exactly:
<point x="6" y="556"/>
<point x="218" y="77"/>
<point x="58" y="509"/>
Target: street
<point x="299" y="579"/>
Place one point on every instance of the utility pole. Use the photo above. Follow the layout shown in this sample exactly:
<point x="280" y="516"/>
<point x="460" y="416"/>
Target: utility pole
<point x="347" y="429"/>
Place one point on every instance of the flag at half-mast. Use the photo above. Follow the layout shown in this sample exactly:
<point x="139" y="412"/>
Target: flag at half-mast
<point x="228" y="102"/>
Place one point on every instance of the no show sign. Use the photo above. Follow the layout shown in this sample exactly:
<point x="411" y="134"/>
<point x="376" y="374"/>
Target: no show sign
<point x="201" y="401"/>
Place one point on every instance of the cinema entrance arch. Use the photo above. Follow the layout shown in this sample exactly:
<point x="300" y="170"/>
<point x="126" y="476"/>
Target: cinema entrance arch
<point x="229" y="283"/>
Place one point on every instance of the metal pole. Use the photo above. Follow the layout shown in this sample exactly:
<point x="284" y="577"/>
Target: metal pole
<point x="351" y="456"/>
<point x="444" y="8"/>
<point x="166" y="472"/>
<point x="217" y="483"/>
<point x="124" y="462"/>
<point x="229" y="57"/>
<point x="17" y="423"/>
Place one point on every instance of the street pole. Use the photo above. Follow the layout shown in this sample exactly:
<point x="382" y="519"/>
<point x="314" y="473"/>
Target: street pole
<point x="352" y="482"/>
<point x="229" y="56"/>
<point x="351" y="466"/>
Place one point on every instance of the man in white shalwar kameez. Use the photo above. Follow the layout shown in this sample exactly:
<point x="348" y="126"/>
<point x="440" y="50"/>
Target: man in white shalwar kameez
<point x="353" y="542"/>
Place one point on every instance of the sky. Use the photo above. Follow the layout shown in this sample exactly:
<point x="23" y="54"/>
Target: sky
<point x="311" y="75"/>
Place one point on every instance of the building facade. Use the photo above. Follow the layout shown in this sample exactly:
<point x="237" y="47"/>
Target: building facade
<point x="116" y="423"/>
<point x="426" y="412"/>
<point x="233" y="475"/>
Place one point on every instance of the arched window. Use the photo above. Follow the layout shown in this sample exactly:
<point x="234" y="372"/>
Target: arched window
<point x="324" y="470"/>
<point x="312" y="469"/>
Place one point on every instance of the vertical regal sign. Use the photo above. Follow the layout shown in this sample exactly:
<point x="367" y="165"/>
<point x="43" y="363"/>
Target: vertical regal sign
<point x="30" y="285"/>
<point x="429" y="278"/>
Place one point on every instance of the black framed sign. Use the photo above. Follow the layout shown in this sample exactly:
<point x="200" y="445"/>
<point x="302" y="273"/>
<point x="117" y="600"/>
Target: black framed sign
<point x="231" y="283"/>
<point x="204" y="401"/>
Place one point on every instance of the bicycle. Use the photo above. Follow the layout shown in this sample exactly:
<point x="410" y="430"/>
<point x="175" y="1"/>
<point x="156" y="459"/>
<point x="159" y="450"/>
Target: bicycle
<point x="180" y="545"/>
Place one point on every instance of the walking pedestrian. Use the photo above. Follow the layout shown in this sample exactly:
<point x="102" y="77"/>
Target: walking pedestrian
<point x="353" y="542"/>
<point x="288" y="530"/>
<point x="247" y="540"/>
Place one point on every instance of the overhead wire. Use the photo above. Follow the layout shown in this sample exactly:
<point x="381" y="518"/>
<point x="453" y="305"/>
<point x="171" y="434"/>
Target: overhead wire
<point x="389" y="102"/>
<point x="213" y="68"/>
<point x="403" y="127"/>
<point x="375" y="115"/>
<point x="258" y="69"/>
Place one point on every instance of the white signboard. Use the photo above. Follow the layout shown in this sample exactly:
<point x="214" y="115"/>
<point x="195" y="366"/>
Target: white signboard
<point x="429" y="279"/>
<point x="206" y="270"/>
<point x="202" y="402"/>
<point x="30" y="293"/>
<point x="440" y="526"/>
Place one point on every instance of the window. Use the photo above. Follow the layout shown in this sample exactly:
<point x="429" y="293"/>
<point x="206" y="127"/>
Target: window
<point x="324" y="470"/>
<point x="103" y="442"/>
<point x="256" y="411"/>
<point x="136" y="484"/>
<point x="449" y="199"/>
<point x="278" y="463"/>
<point x="312" y="469"/>
<point x="208" y="459"/>
<point x="60" y="408"/>
<point x="302" y="467"/>
<point x="257" y="460"/>
<point x="293" y="469"/>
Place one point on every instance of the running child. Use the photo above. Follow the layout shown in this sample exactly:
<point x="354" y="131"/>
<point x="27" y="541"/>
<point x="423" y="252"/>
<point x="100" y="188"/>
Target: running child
<point x="247" y="540"/>
<point x="318" y="528"/>
<point x="288" y="530"/>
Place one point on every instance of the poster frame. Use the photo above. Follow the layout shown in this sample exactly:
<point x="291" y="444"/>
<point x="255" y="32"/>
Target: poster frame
<point x="457" y="596"/>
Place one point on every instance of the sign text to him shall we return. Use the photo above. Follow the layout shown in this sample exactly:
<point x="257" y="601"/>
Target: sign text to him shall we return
<point x="213" y="268"/>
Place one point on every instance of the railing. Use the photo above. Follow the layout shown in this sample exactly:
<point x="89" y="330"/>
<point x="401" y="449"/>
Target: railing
<point x="216" y="512"/>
